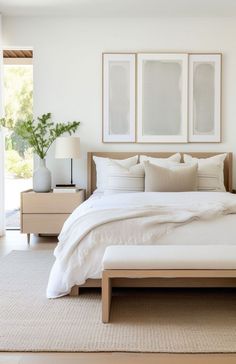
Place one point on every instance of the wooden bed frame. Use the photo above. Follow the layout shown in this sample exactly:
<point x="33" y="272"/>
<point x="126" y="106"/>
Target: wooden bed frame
<point x="91" y="181"/>
<point x="149" y="282"/>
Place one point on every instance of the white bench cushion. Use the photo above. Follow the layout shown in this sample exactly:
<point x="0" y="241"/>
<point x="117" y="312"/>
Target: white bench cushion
<point x="170" y="257"/>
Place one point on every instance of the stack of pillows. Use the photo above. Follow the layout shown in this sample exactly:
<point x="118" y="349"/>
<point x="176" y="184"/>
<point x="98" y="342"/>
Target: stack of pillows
<point x="160" y="174"/>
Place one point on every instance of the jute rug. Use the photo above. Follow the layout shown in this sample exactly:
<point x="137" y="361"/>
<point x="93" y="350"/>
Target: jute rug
<point x="141" y="321"/>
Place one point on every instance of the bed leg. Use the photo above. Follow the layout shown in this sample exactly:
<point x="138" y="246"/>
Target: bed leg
<point x="106" y="296"/>
<point x="74" y="291"/>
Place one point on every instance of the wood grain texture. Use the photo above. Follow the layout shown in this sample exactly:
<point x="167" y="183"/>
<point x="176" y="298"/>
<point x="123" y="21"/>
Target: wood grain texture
<point x="17" y="53"/>
<point x="51" y="203"/>
<point x="170" y="273"/>
<point x="184" y="282"/>
<point x="43" y="223"/>
<point x="109" y="274"/>
<point x="106" y="296"/>
<point x="46" y="213"/>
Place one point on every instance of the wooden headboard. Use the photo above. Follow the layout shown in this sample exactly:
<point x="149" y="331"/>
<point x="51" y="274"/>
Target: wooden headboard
<point x="91" y="184"/>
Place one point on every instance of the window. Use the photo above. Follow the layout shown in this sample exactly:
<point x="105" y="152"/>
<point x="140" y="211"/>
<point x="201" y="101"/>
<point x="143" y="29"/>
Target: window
<point x="18" y="105"/>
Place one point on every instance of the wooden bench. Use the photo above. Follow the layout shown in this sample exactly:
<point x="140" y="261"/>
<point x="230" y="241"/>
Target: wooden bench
<point x="172" y="261"/>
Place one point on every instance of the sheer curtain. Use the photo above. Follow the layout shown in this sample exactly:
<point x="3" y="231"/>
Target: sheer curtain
<point x="2" y="143"/>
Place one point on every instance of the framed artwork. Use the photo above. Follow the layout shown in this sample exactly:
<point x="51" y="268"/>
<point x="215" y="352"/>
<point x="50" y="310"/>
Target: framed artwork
<point x="205" y="97"/>
<point x="162" y="108"/>
<point x="119" y="97"/>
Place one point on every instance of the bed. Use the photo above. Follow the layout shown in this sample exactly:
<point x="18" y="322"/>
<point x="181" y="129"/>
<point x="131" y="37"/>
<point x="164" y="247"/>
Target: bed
<point x="84" y="268"/>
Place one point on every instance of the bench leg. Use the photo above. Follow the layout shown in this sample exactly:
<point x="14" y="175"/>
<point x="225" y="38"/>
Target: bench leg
<point x="74" y="291"/>
<point x="106" y="297"/>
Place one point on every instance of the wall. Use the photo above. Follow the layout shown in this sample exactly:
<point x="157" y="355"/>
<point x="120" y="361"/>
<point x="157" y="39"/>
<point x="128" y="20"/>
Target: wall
<point x="68" y="71"/>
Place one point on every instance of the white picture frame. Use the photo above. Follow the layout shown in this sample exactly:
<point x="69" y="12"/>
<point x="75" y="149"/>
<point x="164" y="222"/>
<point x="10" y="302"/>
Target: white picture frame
<point x="205" y="98"/>
<point x="119" y="94"/>
<point x="161" y="73"/>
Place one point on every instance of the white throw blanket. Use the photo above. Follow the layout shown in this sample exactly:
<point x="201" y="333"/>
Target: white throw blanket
<point x="140" y="220"/>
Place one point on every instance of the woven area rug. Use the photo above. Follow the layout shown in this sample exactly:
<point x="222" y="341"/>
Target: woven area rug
<point x="181" y="321"/>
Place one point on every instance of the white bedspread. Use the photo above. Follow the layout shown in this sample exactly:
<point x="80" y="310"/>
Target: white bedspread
<point x="137" y="218"/>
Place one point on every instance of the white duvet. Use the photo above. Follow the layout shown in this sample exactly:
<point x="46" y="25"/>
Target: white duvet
<point x="137" y="218"/>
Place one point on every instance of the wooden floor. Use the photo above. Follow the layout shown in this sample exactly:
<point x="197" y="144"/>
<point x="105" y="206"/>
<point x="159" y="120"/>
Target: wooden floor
<point x="15" y="241"/>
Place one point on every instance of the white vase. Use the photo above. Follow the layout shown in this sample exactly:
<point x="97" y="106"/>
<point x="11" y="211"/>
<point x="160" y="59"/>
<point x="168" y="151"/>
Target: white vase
<point x="42" y="178"/>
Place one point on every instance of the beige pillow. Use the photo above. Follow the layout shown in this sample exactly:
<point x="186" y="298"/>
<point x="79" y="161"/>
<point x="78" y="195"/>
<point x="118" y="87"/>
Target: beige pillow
<point x="160" y="179"/>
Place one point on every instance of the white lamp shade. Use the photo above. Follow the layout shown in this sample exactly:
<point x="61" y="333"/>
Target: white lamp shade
<point x="67" y="147"/>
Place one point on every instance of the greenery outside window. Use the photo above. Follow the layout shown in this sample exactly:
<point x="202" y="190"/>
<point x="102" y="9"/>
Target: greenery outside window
<point x="18" y="106"/>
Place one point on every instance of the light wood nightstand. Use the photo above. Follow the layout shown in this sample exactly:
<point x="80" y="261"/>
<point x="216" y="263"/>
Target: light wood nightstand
<point x="45" y="213"/>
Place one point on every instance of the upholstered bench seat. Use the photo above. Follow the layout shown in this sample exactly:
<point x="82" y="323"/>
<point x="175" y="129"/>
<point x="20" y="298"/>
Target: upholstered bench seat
<point x="172" y="261"/>
<point x="170" y="257"/>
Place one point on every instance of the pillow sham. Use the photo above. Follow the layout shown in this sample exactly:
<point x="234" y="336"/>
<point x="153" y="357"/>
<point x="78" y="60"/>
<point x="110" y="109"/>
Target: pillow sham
<point x="102" y="165"/>
<point x="121" y="179"/>
<point x="210" y="172"/>
<point x="161" y="179"/>
<point x="164" y="162"/>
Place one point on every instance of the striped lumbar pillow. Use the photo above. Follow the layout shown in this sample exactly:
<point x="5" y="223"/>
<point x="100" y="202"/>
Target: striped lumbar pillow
<point x="102" y="169"/>
<point x="210" y="172"/>
<point x="121" y="179"/>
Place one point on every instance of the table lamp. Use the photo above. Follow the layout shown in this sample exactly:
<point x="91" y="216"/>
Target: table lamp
<point x="68" y="147"/>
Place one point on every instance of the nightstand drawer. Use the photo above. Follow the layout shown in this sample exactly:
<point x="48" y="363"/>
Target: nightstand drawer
<point x="51" y="202"/>
<point x="43" y="223"/>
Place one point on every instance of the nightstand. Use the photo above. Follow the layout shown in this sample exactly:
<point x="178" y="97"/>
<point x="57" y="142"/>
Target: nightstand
<point x="45" y="213"/>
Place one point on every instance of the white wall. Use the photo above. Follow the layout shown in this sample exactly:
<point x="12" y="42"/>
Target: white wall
<point x="68" y="71"/>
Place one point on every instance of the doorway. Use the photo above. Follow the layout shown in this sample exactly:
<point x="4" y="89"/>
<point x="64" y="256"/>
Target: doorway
<point x="18" y="106"/>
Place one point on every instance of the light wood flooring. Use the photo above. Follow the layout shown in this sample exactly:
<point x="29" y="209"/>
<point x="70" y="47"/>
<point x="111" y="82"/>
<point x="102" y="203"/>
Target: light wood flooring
<point x="16" y="241"/>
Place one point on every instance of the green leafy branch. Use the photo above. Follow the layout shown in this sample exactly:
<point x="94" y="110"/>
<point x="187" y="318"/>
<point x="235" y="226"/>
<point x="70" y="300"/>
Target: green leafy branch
<point x="41" y="134"/>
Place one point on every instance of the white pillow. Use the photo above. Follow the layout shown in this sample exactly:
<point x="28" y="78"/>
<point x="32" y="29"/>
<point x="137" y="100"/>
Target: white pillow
<point x="102" y="169"/>
<point x="210" y="172"/>
<point x="121" y="179"/>
<point x="162" y="162"/>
